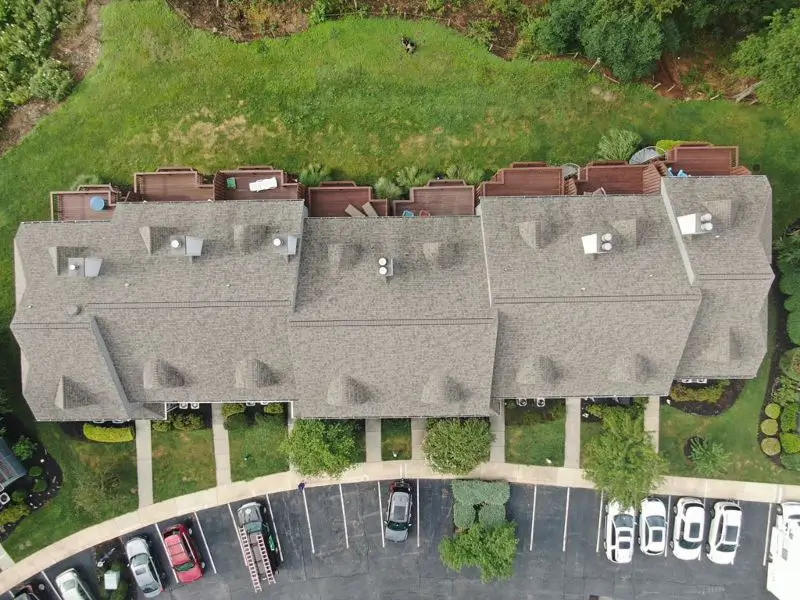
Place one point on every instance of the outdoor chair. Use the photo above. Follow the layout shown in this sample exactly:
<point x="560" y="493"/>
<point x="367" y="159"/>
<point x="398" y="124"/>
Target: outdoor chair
<point x="408" y="213"/>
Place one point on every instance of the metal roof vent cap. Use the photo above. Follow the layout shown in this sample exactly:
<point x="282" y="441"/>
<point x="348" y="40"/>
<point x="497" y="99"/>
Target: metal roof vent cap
<point x="73" y="310"/>
<point x="175" y="243"/>
<point x="285" y="245"/>
<point x="695" y="223"/>
<point x="596" y="243"/>
<point x="385" y="267"/>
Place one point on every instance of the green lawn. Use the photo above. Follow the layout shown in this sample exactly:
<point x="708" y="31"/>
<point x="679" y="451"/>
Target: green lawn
<point x="258" y="444"/>
<point x="736" y="429"/>
<point x="79" y="461"/>
<point x="396" y="439"/>
<point x="183" y="462"/>
<point x="589" y="431"/>
<point x="536" y="443"/>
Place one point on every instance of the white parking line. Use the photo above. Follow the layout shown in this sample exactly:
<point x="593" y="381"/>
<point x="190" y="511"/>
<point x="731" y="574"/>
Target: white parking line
<point x="566" y="522"/>
<point x="344" y="518"/>
<point x="599" y="524"/>
<point x="669" y="516"/>
<point x="767" y="536"/>
<point x="205" y="542"/>
<point x="308" y="520"/>
<point x="166" y="552"/>
<point x="10" y="595"/>
<point x="418" y="523"/>
<point x="533" y="516"/>
<point x="274" y="527"/>
<point x="380" y="514"/>
<point x="700" y="556"/>
<point x="52" y="587"/>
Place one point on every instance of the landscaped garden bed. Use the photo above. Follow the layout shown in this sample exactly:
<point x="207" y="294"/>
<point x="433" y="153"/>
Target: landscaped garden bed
<point x="255" y="442"/>
<point x="395" y="439"/>
<point x="707" y="399"/>
<point x="535" y="435"/>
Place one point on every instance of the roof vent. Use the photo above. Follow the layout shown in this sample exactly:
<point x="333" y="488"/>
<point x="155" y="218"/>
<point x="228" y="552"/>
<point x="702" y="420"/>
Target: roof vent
<point x="185" y="245"/>
<point x="385" y="267"/>
<point x="285" y="245"/>
<point x="83" y="267"/>
<point x="597" y="243"/>
<point x="695" y="223"/>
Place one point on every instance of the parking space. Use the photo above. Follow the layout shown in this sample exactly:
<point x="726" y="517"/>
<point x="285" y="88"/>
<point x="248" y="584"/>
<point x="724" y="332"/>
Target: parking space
<point x="82" y="562"/>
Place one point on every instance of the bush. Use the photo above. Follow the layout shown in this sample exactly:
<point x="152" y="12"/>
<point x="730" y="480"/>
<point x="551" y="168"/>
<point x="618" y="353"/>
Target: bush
<point x="236" y="422"/>
<point x="710" y="458"/>
<point x="511" y="9"/>
<point x="790" y="442"/>
<point x="318" y="447"/>
<point x="482" y="31"/>
<point x="789" y="418"/>
<point x="666" y="145"/>
<point x="785" y="392"/>
<point x="470" y="175"/>
<point x="772" y="410"/>
<point x="474" y="492"/>
<point x="492" y="515"/>
<point x="618" y="144"/>
<point x="319" y="12"/>
<point x="457" y="446"/>
<point x="161" y="426"/>
<point x="493" y="551"/>
<point x="232" y="408"/>
<point x="517" y="415"/>
<point x="769" y="427"/>
<point x="790" y="362"/>
<point x="409" y="177"/>
<point x="793" y="327"/>
<point x="770" y="446"/>
<point x="24" y="448"/>
<point x="51" y="81"/>
<point x="19" y="496"/>
<point x="386" y="189"/>
<point x="791" y="461"/>
<point x="35" y="471"/>
<point x="109" y="435"/>
<point x="187" y="421"/>
<point x="710" y="393"/>
<point x="463" y="515"/>
<point x="789" y="281"/>
<point x="274" y="408"/>
<point x="14" y="513"/>
<point x="314" y="174"/>
<point x="39" y="485"/>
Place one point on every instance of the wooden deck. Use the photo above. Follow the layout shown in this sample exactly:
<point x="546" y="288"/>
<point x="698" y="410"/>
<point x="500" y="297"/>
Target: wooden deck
<point x="437" y="201"/>
<point x="524" y="181"/>
<point x="704" y="160"/>
<point x="244" y="176"/>
<point x="172" y="184"/>
<point x="74" y="205"/>
<point x="619" y="179"/>
<point x="329" y="201"/>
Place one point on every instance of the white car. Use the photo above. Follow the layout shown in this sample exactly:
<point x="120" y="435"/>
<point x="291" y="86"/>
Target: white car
<point x="724" y="532"/>
<point x="143" y="567"/>
<point x="71" y="586"/>
<point x="787" y="512"/>
<point x="688" y="528"/>
<point x="620" y="523"/>
<point x="653" y="527"/>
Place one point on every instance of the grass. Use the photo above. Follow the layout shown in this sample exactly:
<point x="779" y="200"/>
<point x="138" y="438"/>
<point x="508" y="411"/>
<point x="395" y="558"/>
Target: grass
<point x="183" y="462"/>
<point x="589" y="431"/>
<point x="536" y="443"/>
<point x="62" y="517"/>
<point x="164" y="93"/>
<point x="396" y="439"/>
<point x="360" y="453"/>
<point x="736" y="429"/>
<point x="259" y="443"/>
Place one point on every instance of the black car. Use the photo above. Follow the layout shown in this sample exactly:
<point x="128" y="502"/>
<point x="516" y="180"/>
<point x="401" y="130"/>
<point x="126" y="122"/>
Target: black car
<point x="399" y="511"/>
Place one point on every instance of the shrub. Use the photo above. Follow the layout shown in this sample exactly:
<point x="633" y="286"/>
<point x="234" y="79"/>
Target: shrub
<point x="457" y="446"/>
<point x="492" y="515"/>
<point x="471" y="175"/>
<point x="386" y="189"/>
<point x="474" y="492"/>
<point x="12" y="514"/>
<point x="512" y="9"/>
<point x="187" y="421"/>
<point x="710" y="458"/>
<point x="313" y="174"/>
<point x="710" y="393"/>
<point x="317" y="447"/>
<point x="772" y="410"/>
<point x="409" y="177"/>
<point x="161" y="426"/>
<point x="793" y="327"/>
<point x="35" y="471"/>
<point x="110" y="435"/>
<point x="789" y="418"/>
<point x="39" y="485"/>
<point x="51" y="81"/>
<point x="236" y="422"/>
<point x="516" y="415"/>
<point x="85" y="179"/>
<point x="770" y="446"/>
<point x="769" y="427"/>
<point x="232" y="408"/>
<point x="790" y="442"/>
<point x="274" y="408"/>
<point x="668" y="144"/>
<point x="618" y="144"/>
<point x="19" y="496"/>
<point x="789" y="282"/>
<point x="319" y="12"/>
<point x="790" y="362"/>
<point x="493" y="551"/>
<point x="482" y="31"/>
<point x="792" y="303"/>
<point x="785" y="392"/>
<point x="463" y="515"/>
<point x="791" y="461"/>
<point x="24" y="448"/>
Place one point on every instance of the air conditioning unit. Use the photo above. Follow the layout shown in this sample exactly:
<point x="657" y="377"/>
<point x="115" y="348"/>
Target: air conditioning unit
<point x="263" y="403"/>
<point x="183" y="405"/>
<point x="540" y="402"/>
<point x="522" y="402"/>
<point x="249" y="403"/>
<point x="195" y="405"/>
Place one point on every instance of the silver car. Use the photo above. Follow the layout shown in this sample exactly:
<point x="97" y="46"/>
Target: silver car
<point x="143" y="567"/>
<point x="71" y="586"/>
<point x="398" y="512"/>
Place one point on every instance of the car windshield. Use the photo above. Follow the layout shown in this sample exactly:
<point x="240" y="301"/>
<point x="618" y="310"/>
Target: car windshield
<point x="139" y="560"/>
<point x="656" y="521"/>
<point x="623" y="521"/>
<point x="726" y="547"/>
<point x="150" y="587"/>
<point x="187" y="566"/>
<point x="624" y="544"/>
<point x="396" y="526"/>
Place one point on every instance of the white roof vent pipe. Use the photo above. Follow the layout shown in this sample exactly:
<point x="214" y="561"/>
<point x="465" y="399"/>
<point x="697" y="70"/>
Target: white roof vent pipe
<point x="597" y="243"/>
<point x="385" y="267"/>
<point x="285" y="245"/>
<point x="695" y="223"/>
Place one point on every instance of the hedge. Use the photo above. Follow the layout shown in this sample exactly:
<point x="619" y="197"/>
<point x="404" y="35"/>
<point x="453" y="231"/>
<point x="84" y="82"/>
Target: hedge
<point x="111" y="435"/>
<point x="473" y="492"/>
<point x="790" y="362"/>
<point x="793" y="327"/>
<point x="274" y="408"/>
<point x="792" y="303"/>
<point x="789" y="282"/>
<point x="187" y="421"/>
<point x="236" y="421"/>
<point x="785" y="393"/>
<point x="516" y="415"/>
<point x="791" y="461"/>
<point x="772" y="410"/>
<point x="492" y="515"/>
<point x="789" y="418"/>
<point x="233" y="408"/>
<point x="769" y="427"/>
<point x="708" y="393"/>
<point x="790" y="442"/>
<point x="770" y="446"/>
<point x="463" y="515"/>
<point x="161" y="426"/>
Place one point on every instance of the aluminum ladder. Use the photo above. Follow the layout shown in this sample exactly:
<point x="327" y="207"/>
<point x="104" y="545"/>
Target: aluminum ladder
<point x="247" y="554"/>
<point x="262" y="548"/>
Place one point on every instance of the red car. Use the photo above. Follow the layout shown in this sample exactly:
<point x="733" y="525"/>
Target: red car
<point x="183" y="554"/>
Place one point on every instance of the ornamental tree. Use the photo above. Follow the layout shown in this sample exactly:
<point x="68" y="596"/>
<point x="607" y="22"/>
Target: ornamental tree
<point x="317" y="447"/>
<point x="457" y="446"/>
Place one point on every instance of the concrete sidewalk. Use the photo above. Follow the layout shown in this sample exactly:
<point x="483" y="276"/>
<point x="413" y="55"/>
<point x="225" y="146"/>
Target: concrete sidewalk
<point x="144" y="463"/>
<point x="417" y="436"/>
<point x="497" y="425"/>
<point x="652" y="419"/>
<point x="222" y="450"/>
<point x="373" y="439"/>
<point x="572" y="434"/>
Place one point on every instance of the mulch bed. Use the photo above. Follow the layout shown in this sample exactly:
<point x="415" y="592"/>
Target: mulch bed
<point x="710" y="409"/>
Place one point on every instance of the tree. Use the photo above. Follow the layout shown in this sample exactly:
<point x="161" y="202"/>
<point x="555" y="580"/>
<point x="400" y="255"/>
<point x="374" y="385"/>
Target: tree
<point x="621" y="461"/>
<point x="710" y="458"/>
<point x="772" y="56"/>
<point x="492" y="550"/>
<point x="456" y="446"/>
<point x="321" y="447"/>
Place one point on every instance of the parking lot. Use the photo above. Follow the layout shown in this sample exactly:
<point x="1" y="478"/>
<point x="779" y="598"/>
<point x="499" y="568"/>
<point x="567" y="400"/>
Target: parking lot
<point x="332" y="546"/>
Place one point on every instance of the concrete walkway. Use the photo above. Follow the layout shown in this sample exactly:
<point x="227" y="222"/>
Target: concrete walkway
<point x="222" y="449"/>
<point x="652" y="419"/>
<point x="373" y="439"/>
<point x="144" y="463"/>
<point x="572" y="434"/>
<point x="417" y="435"/>
<point x="497" y="425"/>
<point x="414" y="469"/>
